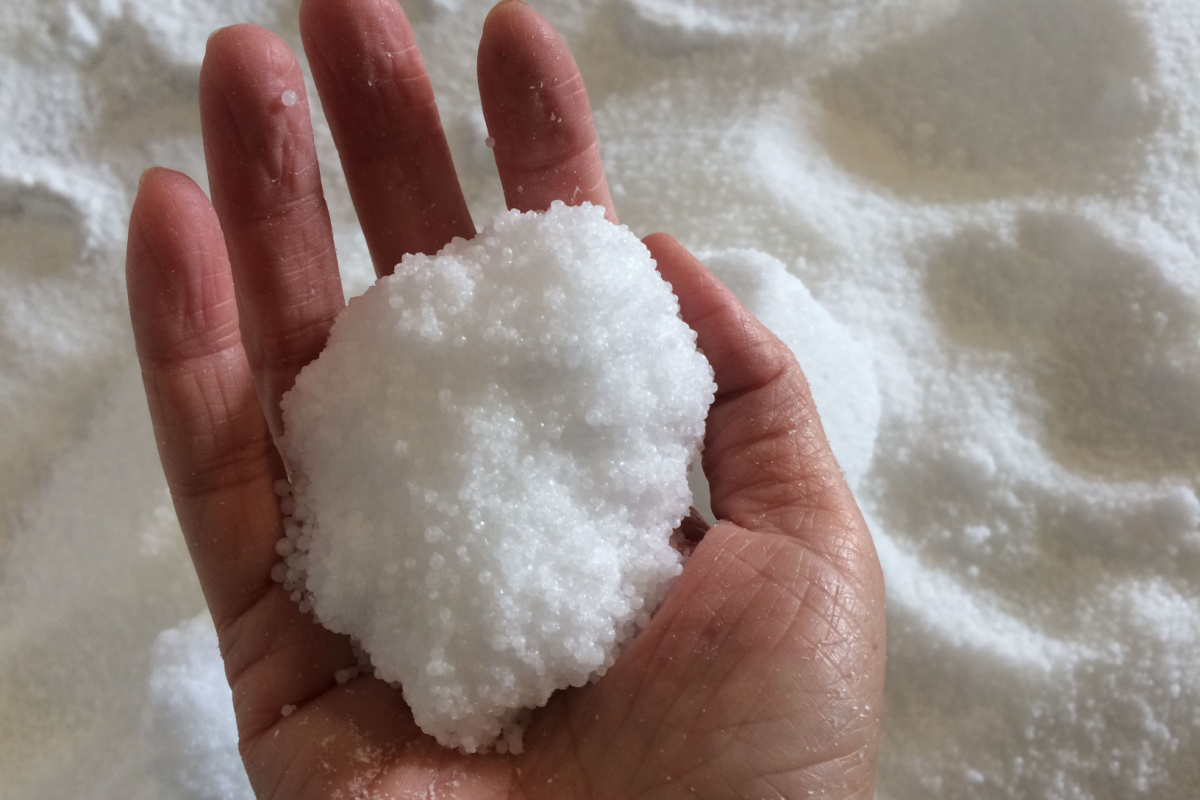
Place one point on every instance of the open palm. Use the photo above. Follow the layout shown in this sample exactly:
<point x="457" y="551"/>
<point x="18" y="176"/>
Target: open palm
<point x="761" y="674"/>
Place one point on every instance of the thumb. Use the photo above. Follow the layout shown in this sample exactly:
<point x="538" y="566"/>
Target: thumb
<point x="766" y="457"/>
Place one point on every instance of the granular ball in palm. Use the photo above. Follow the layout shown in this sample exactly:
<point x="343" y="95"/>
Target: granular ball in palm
<point x="487" y="462"/>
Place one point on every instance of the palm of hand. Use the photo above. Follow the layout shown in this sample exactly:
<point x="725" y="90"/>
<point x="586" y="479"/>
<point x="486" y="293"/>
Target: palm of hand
<point x="736" y="690"/>
<point x="761" y="674"/>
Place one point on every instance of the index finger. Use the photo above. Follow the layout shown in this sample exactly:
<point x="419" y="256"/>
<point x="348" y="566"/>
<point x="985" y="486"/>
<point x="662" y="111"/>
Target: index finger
<point x="381" y="111"/>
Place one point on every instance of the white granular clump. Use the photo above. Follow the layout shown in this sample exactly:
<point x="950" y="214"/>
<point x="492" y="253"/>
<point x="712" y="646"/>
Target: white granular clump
<point x="289" y="98"/>
<point x="488" y="460"/>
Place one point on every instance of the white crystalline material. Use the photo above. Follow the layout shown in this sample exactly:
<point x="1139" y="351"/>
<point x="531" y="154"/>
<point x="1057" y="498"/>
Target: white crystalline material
<point x="488" y="460"/>
<point x="191" y="734"/>
<point x="1027" y="549"/>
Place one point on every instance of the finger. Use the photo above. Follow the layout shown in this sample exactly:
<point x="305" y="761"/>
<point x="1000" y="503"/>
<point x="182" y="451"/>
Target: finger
<point x="381" y="110"/>
<point x="766" y="457"/>
<point x="538" y="114"/>
<point x="216" y="451"/>
<point x="266" y="188"/>
<point x="214" y="444"/>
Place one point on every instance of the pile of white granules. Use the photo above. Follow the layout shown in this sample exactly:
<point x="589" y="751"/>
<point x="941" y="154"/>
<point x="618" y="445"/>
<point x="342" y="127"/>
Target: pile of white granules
<point x="977" y="222"/>
<point x="488" y="459"/>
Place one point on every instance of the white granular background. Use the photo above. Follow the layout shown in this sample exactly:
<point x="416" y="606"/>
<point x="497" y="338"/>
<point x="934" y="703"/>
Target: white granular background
<point x="998" y="200"/>
<point x="488" y="459"/>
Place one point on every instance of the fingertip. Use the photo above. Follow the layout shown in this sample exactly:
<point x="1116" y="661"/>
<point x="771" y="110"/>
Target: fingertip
<point x="168" y="204"/>
<point x="236" y="35"/>
<point x="250" y="83"/>
<point x="659" y="241"/>
<point x="143" y="176"/>
<point x="518" y="43"/>
<point x="254" y="117"/>
<point x="363" y="54"/>
<point x="150" y="183"/>
<point x="538" y="114"/>
<point x="159" y="177"/>
<point x="163" y="194"/>
<point x="700" y="293"/>
<point x="310" y="11"/>
<point x="666" y="251"/>
<point x="247" y="60"/>
<point x="229" y="38"/>
<point x="672" y="260"/>
<point x="319" y="18"/>
<point x="177" y="273"/>
<point x="148" y="186"/>
<point x="744" y="354"/>
<point x="516" y="17"/>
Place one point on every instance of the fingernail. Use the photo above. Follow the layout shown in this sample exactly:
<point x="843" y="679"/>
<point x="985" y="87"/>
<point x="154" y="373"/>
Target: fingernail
<point x="144" y="175"/>
<point x="208" y="41"/>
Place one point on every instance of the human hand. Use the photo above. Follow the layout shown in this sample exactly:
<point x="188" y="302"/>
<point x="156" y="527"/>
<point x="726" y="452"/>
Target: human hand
<point x="760" y="675"/>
